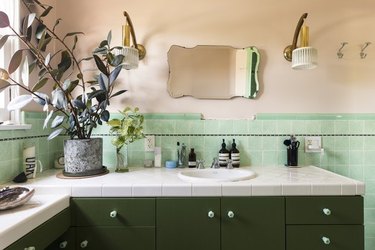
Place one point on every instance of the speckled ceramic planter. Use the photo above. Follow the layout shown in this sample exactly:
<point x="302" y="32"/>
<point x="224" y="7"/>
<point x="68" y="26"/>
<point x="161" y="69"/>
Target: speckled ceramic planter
<point x="83" y="157"/>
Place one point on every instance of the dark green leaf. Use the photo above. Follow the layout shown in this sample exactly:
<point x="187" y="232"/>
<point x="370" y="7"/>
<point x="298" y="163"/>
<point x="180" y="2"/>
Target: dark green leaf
<point x="56" y="23"/>
<point x="42" y="72"/>
<point x="3" y="84"/>
<point x="3" y="40"/>
<point x="78" y="104"/>
<point x="96" y="93"/>
<point x="57" y="121"/>
<point x="118" y="93"/>
<point x="100" y="50"/>
<point x="109" y="37"/>
<point x="103" y="43"/>
<point x="75" y="42"/>
<point x="117" y="60"/>
<point x="103" y="82"/>
<point x="72" y="86"/>
<point x="44" y="41"/>
<point x="4" y="20"/>
<point x="39" y="84"/>
<point x="32" y="66"/>
<point x="65" y="61"/>
<point x="114" y="74"/>
<point x="55" y="133"/>
<point x="72" y="34"/>
<point x="46" y="11"/>
<point x="100" y="65"/>
<point x="15" y="61"/>
<point x="104" y="116"/>
<point x="39" y="31"/>
<point x="40" y="98"/>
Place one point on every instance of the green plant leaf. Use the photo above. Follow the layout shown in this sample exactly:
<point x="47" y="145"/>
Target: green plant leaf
<point x="32" y="66"/>
<point x="39" y="84"/>
<point x="117" y="60"/>
<point x="79" y="104"/>
<point x="44" y="41"/>
<point x="15" y="61"/>
<point x="100" y="50"/>
<point x="47" y="119"/>
<point x="96" y="93"/>
<point x="25" y="71"/>
<point x="65" y="61"/>
<point x="57" y="121"/>
<point x="19" y="102"/>
<point x="72" y="86"/>
<point x="4" y="20"/>
<point x="40" y="98"/>
<point x="103" y="82"/>
<point x="109" y="37"/>
<point x="100" y="65"/>
<point x="104" y="116"/>
<point x="75" y="42"/>
<point x="72" y="34"/>
<point x="56" y="23"/>
<point x="47" y="59"/>
<point x="30" y="19"/>
<point x="55" y="133"/>
<point x="46" y="11"/>
<point x="114" y="123"/>
<point x="40" y="29"/>
<point x="3" y="40"/>
<point x="103" y="44"/>
<point x="85" y="59"/>
<point x="114" y="74"/>
<point x="118" y="93"/>
<point x="3" y="84"/>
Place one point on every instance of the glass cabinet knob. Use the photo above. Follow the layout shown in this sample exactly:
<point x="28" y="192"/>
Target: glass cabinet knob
<point x="326" y="240"/>
<point x="231" y="214"/>
<point x="63" y="244"/>
<point x="211" y="214"/>
<point x="113" y="214"/>
<point x="84" y="244"/>
<point x="30" y="248"/>
<point x="327" y="211"/>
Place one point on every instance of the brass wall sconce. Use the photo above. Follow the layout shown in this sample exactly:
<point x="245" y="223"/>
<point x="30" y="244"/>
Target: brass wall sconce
<point x="132" y="54"/>
<point x="303" y="57"/>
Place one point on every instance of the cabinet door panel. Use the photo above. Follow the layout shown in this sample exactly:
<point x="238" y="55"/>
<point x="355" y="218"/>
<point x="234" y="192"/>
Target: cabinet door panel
<point x="65" y="241"/>
<point x="324" y="210"/>
<point x="115" y="238"/>
<point x="184" y="224"/>
<point x="45" y="234"/>
<point x="336" y="237"/>
<point x="130" y="211"/>
<point x="256" y="223"/>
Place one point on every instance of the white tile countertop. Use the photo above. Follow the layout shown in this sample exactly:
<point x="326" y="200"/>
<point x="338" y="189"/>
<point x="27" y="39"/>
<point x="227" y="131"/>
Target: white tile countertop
<point x="17" y="222"/>
<point x="161" y="182"/>
<point x="52" y="193"/>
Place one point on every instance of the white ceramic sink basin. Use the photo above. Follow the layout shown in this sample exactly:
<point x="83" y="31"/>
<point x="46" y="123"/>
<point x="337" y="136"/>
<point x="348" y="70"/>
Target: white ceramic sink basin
<point x="216" y="175"/>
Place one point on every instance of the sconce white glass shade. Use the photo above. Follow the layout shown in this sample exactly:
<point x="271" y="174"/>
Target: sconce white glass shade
<point x="131" y="57"/>
<point x="304" y="58"/>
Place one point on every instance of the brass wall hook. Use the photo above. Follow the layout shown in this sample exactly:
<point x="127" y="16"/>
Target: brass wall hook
<point x="363" y="54"/>
<point x="339" y="52"/>
<point x="289" y="49"/>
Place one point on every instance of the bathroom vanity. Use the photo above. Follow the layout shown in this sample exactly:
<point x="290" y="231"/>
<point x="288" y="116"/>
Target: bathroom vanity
<point x="281" y="209"/>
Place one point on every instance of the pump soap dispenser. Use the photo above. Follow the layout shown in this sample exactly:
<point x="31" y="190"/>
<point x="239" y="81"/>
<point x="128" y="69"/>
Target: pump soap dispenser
<point x="223" y="155"/>
<point x="235" y="155"/>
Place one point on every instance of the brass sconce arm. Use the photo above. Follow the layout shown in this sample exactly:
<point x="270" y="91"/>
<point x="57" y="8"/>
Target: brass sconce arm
<point x="141" y="49"/>
<point x="289" y="49"/>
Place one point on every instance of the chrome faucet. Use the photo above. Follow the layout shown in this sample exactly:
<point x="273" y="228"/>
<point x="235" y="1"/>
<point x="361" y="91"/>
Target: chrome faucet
<point x="200" y="164"/>
<point x="215" y="163"/>
<point x="229" y="166"/>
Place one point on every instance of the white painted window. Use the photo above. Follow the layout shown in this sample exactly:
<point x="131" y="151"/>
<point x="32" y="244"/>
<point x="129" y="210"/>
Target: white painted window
<point x="12" y="8"/>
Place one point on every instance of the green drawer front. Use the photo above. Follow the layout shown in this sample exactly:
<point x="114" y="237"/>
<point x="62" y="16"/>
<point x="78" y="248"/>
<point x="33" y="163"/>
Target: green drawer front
<point x="324" y="210"/>
<point x="65" y="241"/>
<point x="337" y="237"/>
<point x="129" y="212"/>
<point x="115" y="238"/>
<point x="45" y="234"/>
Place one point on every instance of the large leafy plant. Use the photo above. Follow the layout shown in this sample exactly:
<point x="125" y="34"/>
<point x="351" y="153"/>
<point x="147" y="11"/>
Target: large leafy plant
<point x="74" y="105"/>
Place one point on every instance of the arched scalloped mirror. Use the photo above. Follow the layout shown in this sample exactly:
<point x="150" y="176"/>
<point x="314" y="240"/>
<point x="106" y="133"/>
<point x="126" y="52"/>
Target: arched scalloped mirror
<point x="213" y="72"/>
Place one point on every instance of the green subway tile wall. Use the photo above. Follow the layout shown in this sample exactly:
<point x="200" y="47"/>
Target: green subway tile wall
<point x="348" y="141"/>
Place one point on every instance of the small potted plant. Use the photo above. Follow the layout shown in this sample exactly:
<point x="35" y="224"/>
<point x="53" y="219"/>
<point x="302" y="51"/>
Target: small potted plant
<point x="74" y="104"/>
<point x="126" y="130"/>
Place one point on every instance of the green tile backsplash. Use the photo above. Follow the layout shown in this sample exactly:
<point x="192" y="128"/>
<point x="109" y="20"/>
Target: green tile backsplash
<point x="348" y="141"/>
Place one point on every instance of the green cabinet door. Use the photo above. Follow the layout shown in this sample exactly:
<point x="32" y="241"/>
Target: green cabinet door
<point x="325" y="237"/>
<point x="45" y="234"/>
<point x="252" y="223"/>
<point x="115" y="238"/>
<point x="188" y="223"/>
<point x="65" y="241"/>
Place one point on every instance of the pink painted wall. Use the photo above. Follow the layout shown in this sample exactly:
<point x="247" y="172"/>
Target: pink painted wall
<point x="345" y="85"/>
